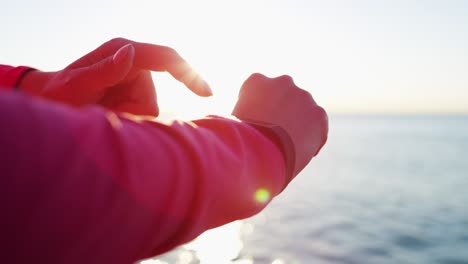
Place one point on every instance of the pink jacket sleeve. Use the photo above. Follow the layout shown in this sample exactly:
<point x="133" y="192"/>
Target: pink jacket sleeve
<point x="11" y="76"/>
<point x="90" y="186"/>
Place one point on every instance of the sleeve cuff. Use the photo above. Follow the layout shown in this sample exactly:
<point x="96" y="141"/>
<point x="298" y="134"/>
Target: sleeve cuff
<point x="282" y="140"/>
<point x="10" y="77"/>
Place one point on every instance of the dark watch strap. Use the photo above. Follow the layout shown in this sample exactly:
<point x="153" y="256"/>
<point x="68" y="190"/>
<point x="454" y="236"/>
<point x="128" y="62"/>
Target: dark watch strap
<point x="24" y="71"/>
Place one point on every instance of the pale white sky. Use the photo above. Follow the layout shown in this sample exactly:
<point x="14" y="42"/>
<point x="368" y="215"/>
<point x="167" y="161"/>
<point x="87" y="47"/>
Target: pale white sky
<point x="353" y="56"/>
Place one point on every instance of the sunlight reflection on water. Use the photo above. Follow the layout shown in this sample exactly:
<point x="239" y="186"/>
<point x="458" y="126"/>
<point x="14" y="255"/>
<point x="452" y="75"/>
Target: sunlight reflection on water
<point x="384" y="190"/>
<point x="222" y="245"/>
<point x="218" y="246"/>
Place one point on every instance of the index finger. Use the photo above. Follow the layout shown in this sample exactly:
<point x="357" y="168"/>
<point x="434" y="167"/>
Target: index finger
<point x="163" y="58"/>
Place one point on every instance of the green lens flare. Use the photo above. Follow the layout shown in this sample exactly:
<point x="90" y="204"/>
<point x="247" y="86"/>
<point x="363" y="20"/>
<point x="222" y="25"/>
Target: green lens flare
<point x="262" y="195"/>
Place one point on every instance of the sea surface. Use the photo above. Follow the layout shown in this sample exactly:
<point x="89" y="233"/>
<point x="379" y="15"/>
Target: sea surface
<point x="385" y="189"/>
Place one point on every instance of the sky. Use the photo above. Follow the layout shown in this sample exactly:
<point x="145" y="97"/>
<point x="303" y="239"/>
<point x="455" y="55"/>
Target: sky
<point x="358" y="56"/>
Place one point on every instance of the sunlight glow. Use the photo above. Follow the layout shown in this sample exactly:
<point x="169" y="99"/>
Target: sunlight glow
<point x="185" y="258"/>
<point x="114" y="120"/>
<point x="371" y="57"/>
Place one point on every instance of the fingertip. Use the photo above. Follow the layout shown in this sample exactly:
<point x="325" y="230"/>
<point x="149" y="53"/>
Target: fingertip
<point x="207" y="92"/>
<point x="203" y="90"/>
<point x="199" y="87"/>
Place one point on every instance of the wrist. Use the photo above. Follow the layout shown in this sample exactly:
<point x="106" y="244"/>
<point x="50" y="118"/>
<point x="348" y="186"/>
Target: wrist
<point x="34" y="81"/>
<point x="282" y="140"/>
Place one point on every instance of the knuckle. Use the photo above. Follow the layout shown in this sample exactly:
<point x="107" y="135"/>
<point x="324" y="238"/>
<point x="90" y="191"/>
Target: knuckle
<point x="116" y="43"/>
<point x="118" y="40"/>
<point x="304" y="95"/>
<point x="69" y="81"/>
<point x="170" y="51"/>
<point x="321" y="113"/>
<point x="254" y="80"/>
<point x="285" y="79"/>
<point x="64" y="78"/>
<point x="256" y="76"/>
<point x="169" y="55"/>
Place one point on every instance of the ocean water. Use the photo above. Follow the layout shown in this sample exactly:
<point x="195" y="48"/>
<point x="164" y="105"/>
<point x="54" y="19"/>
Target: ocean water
<point x="385" y="189"/>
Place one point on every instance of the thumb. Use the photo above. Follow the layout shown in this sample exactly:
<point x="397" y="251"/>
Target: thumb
<point x="107" y="72"/>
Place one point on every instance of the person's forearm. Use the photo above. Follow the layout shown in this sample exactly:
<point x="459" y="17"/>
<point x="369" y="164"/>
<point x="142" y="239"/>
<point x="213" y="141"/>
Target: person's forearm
<point x="91" y="187"/>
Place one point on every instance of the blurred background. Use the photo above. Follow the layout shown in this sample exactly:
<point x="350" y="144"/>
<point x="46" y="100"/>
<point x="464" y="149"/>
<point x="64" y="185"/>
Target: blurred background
<point x="390" y="185"/>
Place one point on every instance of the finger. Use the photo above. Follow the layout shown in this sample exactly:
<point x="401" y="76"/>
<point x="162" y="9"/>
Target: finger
<point x="162" y="58"/>
<point x="140" y="101"/>
<point x="107" y="72"/>
<point x="105" y="50"/>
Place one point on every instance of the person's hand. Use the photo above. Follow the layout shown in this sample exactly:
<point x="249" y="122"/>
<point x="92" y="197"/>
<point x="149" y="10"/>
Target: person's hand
<point x="280" y="102"/>
<point x="116" y="75"/>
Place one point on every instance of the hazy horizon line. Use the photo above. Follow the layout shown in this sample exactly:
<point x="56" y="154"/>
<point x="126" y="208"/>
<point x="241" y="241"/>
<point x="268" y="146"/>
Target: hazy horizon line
<point x="370" y="113"/>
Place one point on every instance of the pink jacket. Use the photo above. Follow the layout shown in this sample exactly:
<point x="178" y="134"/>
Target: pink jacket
<point x="92" y="186"/>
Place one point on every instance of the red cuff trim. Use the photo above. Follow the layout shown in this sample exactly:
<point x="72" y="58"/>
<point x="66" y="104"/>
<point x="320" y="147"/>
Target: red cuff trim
<point x="24" y="71"/>
<point x="10" y="77"/>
